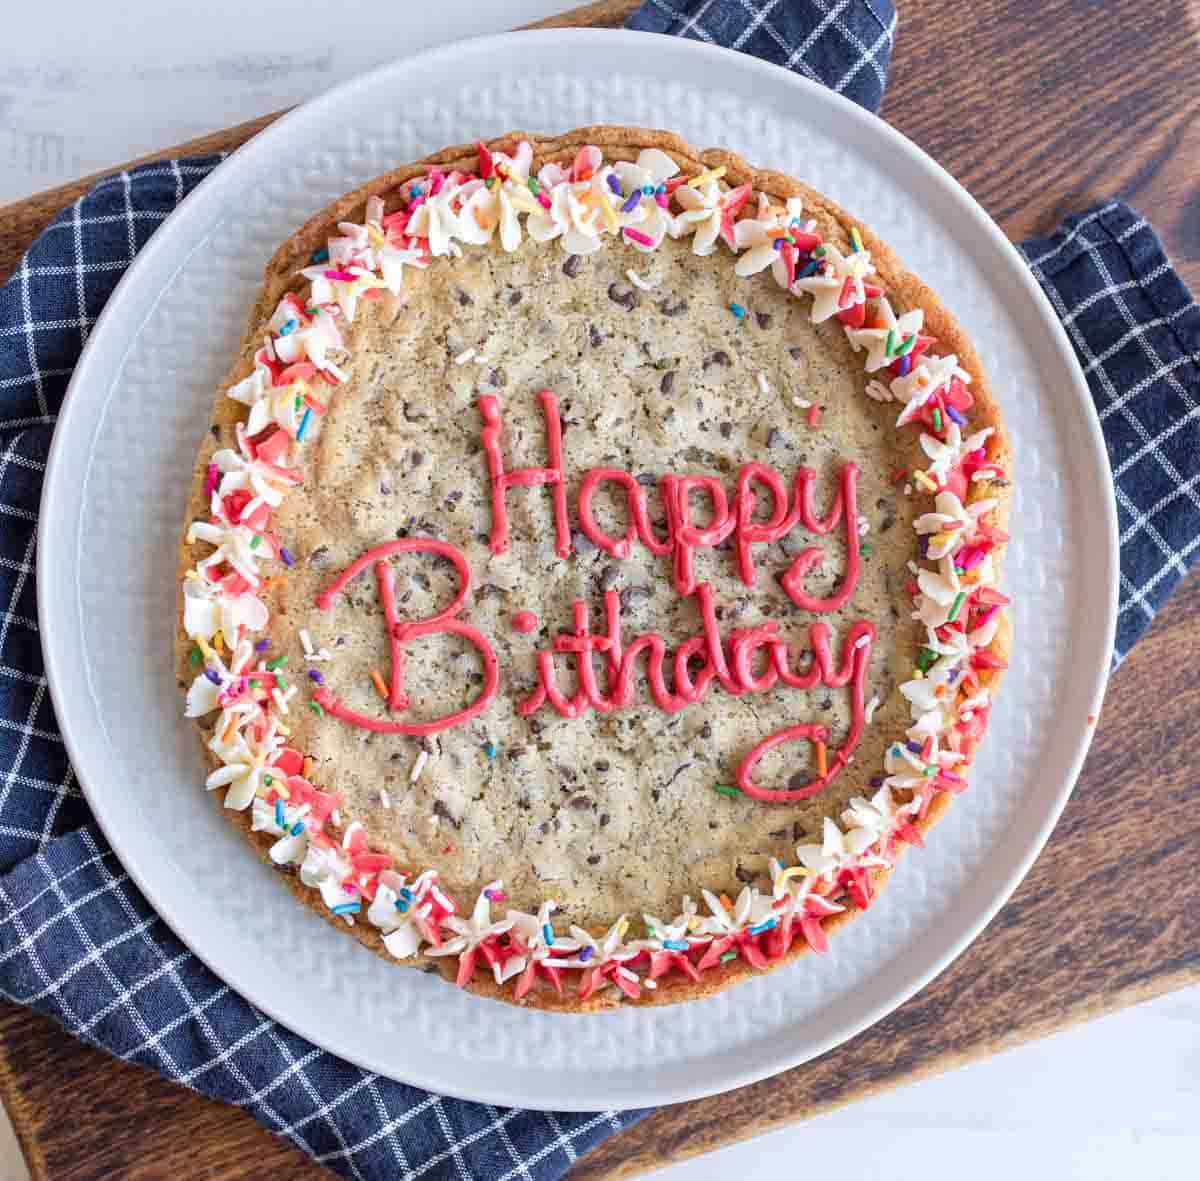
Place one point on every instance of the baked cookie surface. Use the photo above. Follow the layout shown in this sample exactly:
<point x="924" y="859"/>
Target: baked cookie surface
<point x="566" y="604"/>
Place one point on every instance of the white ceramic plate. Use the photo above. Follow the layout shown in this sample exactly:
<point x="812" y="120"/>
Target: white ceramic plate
<point x="117" y="484"/>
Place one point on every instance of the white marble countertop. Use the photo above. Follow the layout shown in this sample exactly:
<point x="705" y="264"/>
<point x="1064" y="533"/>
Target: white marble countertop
<point x="83" y="86"/>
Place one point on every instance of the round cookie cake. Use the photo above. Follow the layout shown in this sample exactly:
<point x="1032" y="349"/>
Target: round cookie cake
<point x="589" y="578"/>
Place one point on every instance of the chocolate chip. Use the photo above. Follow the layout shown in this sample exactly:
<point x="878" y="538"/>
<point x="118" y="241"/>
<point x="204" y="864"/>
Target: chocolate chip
<point x="668" y="382"/>
<point x="498" y="378"/>
<point x="385" y="489"/>
<point x="763" y="318"/>
<point x="319" y="556"/>
<point x="602" y="765"/>
<point x="720" y="357"/>
<point x="463" y="298"/>
<point x="773" y="437"/>
<point x="604" y="819"/>
<point x="798" y="779"/>
<point x="417" y="458"/>
<point x="570" y="268"/>
<point x="440" y="810"/>
<point x="726" y="430"/>
<point x="595" y="336"/>
<point x="743" y="874"/>
<point x="624" y="295"/>
<point x="594" y="859"/>
<point x="646" y="479"/>
<point x="515" y="297"/>
<point x="796" y="353"/>
<point x="827" y="703"/>
<point x="633" y="597"/>
<point x="791" y="544"/>
<point x="797" y="830"/>
<point x="706" y="730"/>
<point x="672" y="310"/>
<point x="609" y="577"/>
<point x="411" y="415"/>
<point x="580" y="803"/>
<point x="778" y="834"/>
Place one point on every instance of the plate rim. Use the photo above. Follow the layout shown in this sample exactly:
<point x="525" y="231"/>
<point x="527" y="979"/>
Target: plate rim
<point x="58" y="674"/>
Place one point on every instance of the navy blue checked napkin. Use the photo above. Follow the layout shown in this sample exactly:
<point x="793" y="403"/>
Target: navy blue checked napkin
<point x="77" y="940"/>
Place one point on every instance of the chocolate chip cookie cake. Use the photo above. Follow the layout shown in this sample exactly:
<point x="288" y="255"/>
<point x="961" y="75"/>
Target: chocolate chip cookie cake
<point x="589" y="580"/>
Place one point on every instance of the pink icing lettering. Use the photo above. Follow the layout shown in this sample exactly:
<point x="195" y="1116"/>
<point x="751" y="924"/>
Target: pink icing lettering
<point x="400" y="634"/>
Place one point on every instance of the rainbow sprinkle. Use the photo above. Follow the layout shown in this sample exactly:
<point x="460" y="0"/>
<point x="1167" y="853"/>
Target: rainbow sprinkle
<point x="377" y="681"/>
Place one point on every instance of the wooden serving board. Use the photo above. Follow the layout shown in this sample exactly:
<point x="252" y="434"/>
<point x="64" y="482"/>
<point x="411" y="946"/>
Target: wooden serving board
<point x="1036" y="118"/>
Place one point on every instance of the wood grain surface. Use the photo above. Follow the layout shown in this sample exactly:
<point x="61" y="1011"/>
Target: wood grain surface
<point x="1038" y="117"/>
